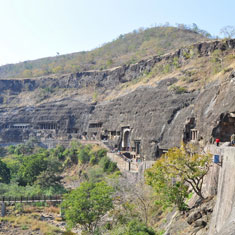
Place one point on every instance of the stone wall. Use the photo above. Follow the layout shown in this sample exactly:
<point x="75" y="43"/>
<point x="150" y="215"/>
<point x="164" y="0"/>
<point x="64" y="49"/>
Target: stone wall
<point x="223" y="217"/>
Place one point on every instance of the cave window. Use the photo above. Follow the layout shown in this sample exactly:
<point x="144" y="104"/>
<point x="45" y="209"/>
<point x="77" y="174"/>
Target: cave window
<point x="48" y="126"/>
<point x="113" y="133"/>
<point x="194" y="134"/>
<point x="103" y="137"/>
<point x="95" y="125"/>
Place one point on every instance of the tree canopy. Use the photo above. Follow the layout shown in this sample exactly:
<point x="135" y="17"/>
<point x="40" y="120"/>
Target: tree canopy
<point x="87" y="204"/>
<point x="4" y="173"/>
<point x="173" y="173"/>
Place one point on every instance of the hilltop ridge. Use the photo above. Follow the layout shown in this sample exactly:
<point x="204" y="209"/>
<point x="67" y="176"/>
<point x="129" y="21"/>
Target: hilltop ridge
<point x="126" y="49"/>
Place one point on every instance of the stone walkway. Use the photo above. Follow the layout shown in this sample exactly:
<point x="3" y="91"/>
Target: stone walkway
<point x="123" y="163"/>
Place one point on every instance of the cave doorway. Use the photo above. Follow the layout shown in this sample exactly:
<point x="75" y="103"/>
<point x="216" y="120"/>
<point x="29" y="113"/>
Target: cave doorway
<point x="189" y="126"/>
<point x="225" y="128"/>
<point x="126" y="140"/>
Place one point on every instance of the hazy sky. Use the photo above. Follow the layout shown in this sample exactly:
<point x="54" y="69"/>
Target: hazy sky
<point x="32" y="29"/>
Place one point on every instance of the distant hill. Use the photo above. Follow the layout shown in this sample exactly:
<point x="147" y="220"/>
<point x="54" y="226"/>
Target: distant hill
<point x="128" y="48"/>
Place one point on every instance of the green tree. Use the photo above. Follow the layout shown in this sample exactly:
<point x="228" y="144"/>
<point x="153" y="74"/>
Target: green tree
<point x="2" y="152"/>
<point x="51" y="176"/>
<point x="137" y="228"/>
<point x="87" y="204"/>
<point x="84" y="155"/>
<point x="4" y="173"/>
<point x="31" y="167"/>
<point x="107" y="165"/>
<point x="11" y="149"/>
<point x="24" y="149"/>
<point x="171" y="175"/>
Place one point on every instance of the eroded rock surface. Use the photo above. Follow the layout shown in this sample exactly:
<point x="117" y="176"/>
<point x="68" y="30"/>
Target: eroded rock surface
<point x="146" y="120"/>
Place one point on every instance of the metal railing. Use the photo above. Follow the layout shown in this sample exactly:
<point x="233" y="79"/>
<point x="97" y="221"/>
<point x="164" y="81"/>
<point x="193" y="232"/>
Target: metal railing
<point x="56" y="198"/>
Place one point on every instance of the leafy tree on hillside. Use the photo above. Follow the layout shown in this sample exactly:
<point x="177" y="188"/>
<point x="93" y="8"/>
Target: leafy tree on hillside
<point x="51" y="176"/>
<point x="11" y="149"/>
<point x="4" y="173"/>
<point x="107" y="165"/>
<point x="31" y="167"/>
<point x="171" y="175"/>
<point x="2" y="151"/>
<point x="137" y="228"/>
<point x="84" y="156"/>
<point x="87" y="204"/>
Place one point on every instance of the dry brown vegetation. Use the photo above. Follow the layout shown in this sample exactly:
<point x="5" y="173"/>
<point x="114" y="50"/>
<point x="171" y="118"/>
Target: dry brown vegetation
<point x="126" y="49"/>
<point x="193" y="74"/>
<point x="30" y="222"/>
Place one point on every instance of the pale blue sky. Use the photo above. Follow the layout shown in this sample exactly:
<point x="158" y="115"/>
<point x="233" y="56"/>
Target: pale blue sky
<point x="32" y="29"/>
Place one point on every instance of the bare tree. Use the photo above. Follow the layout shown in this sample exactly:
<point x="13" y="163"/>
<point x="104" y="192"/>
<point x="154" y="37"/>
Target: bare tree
<point x="228" y="31"/>
<point x="136" y="199"/>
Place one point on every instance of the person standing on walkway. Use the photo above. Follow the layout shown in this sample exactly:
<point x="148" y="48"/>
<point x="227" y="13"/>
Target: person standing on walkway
<point x="217" y="141"/>
<point x="233" y="139"/>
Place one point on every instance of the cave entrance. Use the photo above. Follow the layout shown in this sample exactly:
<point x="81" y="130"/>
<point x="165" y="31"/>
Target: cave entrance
<point x="225" y="128"/>
<point x="137" y="146"/>
<point x="189" y="133"/>
<point x="126" y="140"/>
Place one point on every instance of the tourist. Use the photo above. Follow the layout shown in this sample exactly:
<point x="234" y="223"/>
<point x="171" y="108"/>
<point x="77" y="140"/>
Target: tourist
<point x="233" y="139"/>
<point x="217" y="141"/>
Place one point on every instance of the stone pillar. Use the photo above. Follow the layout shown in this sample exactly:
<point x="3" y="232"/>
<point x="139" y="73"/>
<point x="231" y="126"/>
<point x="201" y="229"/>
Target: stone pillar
<point x="3" y="209"/>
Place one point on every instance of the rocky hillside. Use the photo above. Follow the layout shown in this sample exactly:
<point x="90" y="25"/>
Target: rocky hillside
<point x="126" y="49"/>
<point x="146" y="107"/>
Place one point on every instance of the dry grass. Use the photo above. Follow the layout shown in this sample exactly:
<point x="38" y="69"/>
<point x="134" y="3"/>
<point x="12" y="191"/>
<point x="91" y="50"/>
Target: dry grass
<point x="30" y="209"/>
<point x="27" y="222"/>
<point x="52" y="209"/>
<point x="194" y="74"/>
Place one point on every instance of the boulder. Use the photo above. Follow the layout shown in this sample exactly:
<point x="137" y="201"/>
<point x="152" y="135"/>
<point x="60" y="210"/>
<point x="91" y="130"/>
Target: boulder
<point x="194" y="216"/>
<point x="200" y="223"/>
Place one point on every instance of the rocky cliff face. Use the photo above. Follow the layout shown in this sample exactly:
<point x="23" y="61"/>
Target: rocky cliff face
<point x="109" y="79"/>
<point x="146" y="120"/>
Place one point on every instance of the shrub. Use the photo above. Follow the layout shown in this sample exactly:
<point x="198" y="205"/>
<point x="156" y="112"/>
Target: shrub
<point x="137" y="228"/>
<point x="11" y="149"/>
<point x="107" y="165"/>
<point x="84" y="156"/>
<point x="178" y="89"/>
